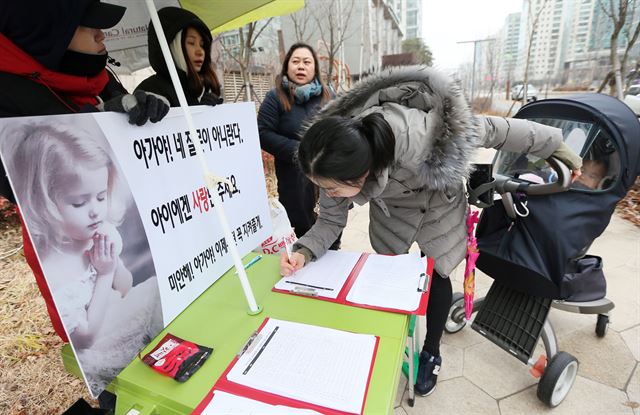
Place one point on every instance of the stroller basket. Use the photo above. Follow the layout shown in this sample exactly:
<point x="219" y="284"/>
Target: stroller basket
<point x="512" y="320"/>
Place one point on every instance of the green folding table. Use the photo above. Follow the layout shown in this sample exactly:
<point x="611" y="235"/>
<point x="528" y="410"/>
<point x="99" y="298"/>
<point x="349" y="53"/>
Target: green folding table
<point x="219" y="319"/>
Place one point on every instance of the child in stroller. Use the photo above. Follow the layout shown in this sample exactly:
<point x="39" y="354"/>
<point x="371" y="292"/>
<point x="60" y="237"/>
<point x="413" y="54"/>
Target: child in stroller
<point x="534" y="243"/>
<point x="593" y="171"/>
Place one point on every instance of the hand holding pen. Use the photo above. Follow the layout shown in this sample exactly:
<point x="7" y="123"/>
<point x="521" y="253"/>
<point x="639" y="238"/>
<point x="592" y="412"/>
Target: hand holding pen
<point x="290" y="262"/>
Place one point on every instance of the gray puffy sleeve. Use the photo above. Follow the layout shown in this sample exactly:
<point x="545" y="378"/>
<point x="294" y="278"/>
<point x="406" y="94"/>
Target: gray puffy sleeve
<point x="331" y="221"/>
<point x="519" y="136"/>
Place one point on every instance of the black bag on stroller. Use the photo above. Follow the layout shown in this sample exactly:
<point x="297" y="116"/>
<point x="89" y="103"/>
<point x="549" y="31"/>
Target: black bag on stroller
<point x="541" y="251"/>
<point x="584" y="280"/>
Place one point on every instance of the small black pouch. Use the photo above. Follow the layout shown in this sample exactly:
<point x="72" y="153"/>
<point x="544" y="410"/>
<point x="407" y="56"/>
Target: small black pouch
<point x="585" y="280"/>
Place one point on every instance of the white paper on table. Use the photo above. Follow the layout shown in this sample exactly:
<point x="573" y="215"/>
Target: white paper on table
<point x="322" y="366"/>
<point x="326" y="276"/>
<point x="389" y="282"/>
<point x="224" y="403"/>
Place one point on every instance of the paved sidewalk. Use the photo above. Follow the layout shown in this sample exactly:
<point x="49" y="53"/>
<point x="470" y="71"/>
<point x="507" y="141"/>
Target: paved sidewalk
<point x="478" y="377"/>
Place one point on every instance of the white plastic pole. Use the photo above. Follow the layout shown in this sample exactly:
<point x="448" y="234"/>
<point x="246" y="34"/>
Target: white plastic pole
<point x="210" y="179"/>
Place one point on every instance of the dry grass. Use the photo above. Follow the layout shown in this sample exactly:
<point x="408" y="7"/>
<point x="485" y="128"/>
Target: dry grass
<point x="33" y="378"/>
<point x="629" y="207"/>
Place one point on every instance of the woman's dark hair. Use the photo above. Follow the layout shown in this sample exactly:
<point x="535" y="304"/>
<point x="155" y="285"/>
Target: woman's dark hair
<point x="345" y="149"/>
<point x="286" y="97"/>
<point x="206" y="77"/>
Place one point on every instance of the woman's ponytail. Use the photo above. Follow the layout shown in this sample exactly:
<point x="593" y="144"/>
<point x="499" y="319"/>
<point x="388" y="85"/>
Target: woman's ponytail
<point x="346" y="149"/>
<point x="379" y="134"/>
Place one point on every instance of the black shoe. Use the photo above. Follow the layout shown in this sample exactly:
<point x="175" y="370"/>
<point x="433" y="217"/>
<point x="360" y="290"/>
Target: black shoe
<point x="427" y="373"/>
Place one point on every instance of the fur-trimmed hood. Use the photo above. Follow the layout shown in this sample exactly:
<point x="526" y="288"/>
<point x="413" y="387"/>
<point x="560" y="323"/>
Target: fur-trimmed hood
<point x="438" y="144"/>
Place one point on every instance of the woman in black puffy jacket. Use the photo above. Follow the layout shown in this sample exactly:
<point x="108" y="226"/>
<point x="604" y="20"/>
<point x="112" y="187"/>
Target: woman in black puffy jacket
<point x="189" y="40"/>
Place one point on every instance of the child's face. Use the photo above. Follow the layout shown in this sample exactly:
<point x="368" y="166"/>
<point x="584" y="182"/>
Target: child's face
<point x="592" y="174"/>
<point x="194" y="45"/>
<point x="83" y="203"/>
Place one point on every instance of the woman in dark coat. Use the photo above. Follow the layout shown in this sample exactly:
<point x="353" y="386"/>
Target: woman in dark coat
<point x="298" y="95"/>
<point x="189" y="40"/>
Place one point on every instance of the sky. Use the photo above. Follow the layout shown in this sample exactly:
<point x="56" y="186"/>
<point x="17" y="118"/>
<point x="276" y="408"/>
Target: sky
<point x="445" y="22"/>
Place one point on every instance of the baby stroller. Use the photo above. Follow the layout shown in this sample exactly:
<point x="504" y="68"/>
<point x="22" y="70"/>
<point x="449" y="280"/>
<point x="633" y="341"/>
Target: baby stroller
<point x="533" y="241"/>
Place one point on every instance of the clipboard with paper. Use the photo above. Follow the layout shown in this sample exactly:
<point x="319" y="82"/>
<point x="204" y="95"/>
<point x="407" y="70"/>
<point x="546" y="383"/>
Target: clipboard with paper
<point x="394" y="283"/>
<point x="297" y="368"/>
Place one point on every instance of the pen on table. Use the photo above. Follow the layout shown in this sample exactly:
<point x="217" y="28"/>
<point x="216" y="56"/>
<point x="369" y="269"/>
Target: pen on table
<point x="309" y="285"/>
<point x="253" y="261"/>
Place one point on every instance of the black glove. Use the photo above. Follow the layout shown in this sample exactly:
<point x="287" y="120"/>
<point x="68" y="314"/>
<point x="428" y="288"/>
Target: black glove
<point x="141" y="106"/>
<point x="209" y="98"/>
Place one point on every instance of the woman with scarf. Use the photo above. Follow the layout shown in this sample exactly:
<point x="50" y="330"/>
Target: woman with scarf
<point x="298" y="95"/>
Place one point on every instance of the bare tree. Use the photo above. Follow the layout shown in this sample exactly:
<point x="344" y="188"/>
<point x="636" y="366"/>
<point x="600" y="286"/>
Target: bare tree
<point x="332" y="20"/>
<point x="303" y="24"/>
<point x="492" y="64"/>
<point x="622" y="19"/>
<point x="533" y="19"/>
<point x="242" y="55"/>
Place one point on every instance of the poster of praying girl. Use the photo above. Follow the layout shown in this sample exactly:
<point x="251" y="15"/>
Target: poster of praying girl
<point x="89" y="239"/>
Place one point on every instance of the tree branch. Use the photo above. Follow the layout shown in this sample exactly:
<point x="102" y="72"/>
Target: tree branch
<point x="257" y="35"/>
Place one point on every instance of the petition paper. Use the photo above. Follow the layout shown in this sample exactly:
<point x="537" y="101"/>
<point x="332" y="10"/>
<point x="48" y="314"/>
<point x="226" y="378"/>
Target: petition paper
<point x="313" y="364"/>
<point x="224" y="403"/>
<point x="389" y="282"/>
<point x="326" y="276"/>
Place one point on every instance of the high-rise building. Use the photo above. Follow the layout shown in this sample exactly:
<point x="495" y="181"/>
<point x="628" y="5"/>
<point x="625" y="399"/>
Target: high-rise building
<point x="588" y="55"/>
<point x="545" y="29"/>
<point x="570" y="42"/>
<point x="412" y="18"/>
<point x="602" y="26"/>
<point x="509" y="40"/>
<point x="581" y="61"/>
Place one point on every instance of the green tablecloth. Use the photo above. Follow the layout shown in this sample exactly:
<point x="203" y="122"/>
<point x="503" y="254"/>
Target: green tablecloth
<point x="219" y="318"/>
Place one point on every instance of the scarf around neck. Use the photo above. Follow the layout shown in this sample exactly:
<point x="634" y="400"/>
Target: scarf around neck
<point x="303" y="93"/>
<point x="80" y="90"/>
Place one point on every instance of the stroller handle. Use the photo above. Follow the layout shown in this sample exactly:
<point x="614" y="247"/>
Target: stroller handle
<point x="506" y="184"/>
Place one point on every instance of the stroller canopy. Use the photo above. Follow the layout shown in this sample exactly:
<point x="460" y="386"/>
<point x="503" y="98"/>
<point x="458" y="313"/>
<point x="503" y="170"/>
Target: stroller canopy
<point x="602" y="111"/>
<point x="532" y="253"/>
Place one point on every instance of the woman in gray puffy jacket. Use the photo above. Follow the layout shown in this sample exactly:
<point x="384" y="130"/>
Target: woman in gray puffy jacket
<point x="403" y="140"/>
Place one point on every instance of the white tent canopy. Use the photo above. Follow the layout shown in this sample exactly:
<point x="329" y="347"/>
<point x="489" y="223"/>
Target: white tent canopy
<point x="127" y="41"/>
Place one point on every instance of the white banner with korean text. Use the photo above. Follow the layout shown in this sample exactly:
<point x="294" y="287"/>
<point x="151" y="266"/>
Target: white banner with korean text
<point x="122" y="223"/>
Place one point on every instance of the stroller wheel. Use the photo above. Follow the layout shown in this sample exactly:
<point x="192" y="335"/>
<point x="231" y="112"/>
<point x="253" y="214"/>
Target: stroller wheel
<point x="455" y="319"/>
<point x="602" y="325"/>
<point x="557" y="379"/>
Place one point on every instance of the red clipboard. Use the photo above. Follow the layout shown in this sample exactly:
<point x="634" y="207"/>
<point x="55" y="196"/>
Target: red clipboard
<point x="353" y="276"/>
<point x="225" y="385"/>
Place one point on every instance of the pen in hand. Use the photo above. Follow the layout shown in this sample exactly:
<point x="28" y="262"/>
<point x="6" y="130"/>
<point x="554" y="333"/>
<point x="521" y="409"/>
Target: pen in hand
<point x="287" y="247"/>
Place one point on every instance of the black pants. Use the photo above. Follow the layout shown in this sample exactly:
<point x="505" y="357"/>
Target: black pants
<point x="437" y="312"/>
